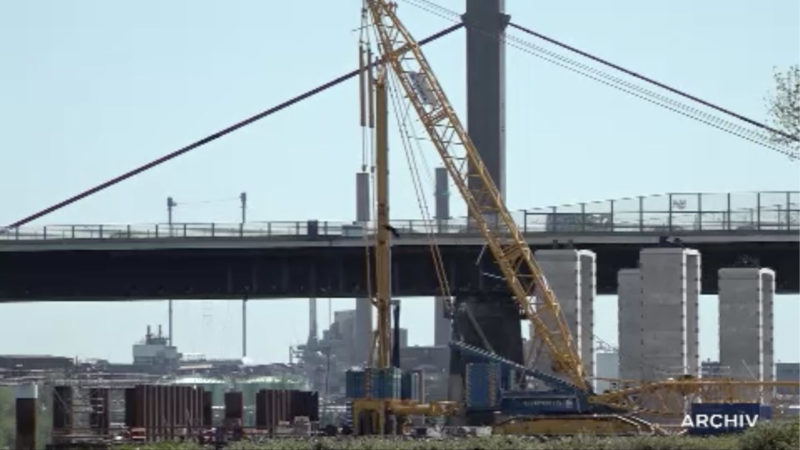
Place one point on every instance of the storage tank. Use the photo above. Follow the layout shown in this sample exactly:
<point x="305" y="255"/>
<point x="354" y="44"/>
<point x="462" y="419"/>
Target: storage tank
<point x="216" y="386"/>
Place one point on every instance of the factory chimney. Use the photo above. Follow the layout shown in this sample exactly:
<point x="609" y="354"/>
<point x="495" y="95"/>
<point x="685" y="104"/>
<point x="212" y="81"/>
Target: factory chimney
<point x="312" y="319"/>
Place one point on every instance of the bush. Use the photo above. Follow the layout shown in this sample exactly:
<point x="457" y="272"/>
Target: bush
<point x="766" y="436"/>
<point x="159" y="446"/>
<point x="771" y="436"/>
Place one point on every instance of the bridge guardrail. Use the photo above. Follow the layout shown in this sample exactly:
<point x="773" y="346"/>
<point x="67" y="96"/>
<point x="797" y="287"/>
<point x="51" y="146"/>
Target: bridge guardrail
<point x="667" y="213"/>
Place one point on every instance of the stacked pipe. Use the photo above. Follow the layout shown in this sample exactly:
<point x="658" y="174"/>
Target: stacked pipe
<point x="274" y="406"/>
<point x="166" y="412"/>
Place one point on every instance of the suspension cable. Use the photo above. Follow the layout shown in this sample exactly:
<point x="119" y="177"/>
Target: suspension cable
<point x="625" y="86"/>
<point x="656" y="83"/>
<point x="212" y="137"/>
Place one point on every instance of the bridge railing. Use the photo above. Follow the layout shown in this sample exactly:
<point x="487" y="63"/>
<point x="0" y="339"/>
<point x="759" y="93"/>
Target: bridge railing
<point x="667" y="213"/>
<point x="673" y="213"/>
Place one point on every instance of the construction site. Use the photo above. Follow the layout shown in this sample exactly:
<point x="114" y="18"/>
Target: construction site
<point x="482" y="376"/>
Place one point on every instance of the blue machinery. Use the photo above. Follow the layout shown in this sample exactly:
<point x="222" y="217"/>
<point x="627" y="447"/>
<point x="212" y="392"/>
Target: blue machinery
<point x="498" y="384"/>
<point x="500" y="387"/>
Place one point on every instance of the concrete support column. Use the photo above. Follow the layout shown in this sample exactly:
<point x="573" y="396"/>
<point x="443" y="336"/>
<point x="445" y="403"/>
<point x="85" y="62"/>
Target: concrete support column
<point x="363" y="316"/>
<point x="629" y="324"/>
<point x="26" y="396"/>
<point x="441" y="323"/>
<point x="562" y="270"/>
<point x="767" y="323"/>
<point x="497" y="315"/>
<point x="741" y="311"/>
<point x="588" y="261"/>
<point x="571" y="275"/>
<point x="442" y="194"/>
<point x="498" y="318"/>
<point x="666" y="340"/>
<point x="485" y="23"/>
<point x="693" y="264"/>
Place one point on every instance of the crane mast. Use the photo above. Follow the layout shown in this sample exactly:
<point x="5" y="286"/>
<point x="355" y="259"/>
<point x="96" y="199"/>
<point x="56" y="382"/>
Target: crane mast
<point x="383" y="255"/>
<point x="486" y="208"/>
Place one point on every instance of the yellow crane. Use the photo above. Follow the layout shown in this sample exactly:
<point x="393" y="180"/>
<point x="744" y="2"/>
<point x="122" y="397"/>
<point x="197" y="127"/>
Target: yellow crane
<point x="383" y="257"/>
<point x="380" y="414"/>
<point x="485" y="205"/>
<point x="489" y="214"/>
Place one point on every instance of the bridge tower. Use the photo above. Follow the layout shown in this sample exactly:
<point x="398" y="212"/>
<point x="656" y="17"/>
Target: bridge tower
<point x="495" y="315"/>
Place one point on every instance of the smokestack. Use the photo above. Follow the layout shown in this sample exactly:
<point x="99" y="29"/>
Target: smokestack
<point x="169" y="325"/>
<point x="244" y="327"/>
<point x="312" y="319"/>
<point x="396" y="337"/>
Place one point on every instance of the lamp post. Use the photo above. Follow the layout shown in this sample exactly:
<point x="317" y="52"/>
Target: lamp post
<point x="243" y="198"/>
<point x="170" y="204"/>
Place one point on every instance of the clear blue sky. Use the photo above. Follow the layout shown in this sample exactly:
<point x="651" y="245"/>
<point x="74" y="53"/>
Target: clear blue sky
<point x="90" y="89"/>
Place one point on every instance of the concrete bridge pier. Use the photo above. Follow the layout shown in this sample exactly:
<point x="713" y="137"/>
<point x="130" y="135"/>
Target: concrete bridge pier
<point x="491" y="322"/>
<point x="488" y="319"/>
<point x="363" y="321"/>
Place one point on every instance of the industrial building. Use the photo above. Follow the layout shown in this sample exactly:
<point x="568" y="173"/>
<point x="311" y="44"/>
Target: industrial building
<point x="155" y="351"/>
<point x="324" y="361"/>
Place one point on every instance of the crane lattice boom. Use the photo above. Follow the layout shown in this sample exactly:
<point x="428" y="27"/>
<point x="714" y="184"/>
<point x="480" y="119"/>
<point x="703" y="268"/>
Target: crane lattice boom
<point x="484" y="202"/>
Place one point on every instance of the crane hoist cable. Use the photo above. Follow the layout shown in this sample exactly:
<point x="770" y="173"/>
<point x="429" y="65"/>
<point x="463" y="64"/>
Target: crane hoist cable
<point x="757" y="137"/>
<point x="407" y="137"/>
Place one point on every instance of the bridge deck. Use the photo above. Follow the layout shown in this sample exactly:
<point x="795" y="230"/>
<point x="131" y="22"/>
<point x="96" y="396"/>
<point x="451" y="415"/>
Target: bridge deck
<point x="331" y="266"/>
<point x="328" y="259"/>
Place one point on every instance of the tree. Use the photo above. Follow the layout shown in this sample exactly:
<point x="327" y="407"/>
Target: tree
<point x="784" y="107"/>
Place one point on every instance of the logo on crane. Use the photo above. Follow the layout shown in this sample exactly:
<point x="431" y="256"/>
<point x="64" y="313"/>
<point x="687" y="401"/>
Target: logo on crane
<point x="423" y="89"/>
